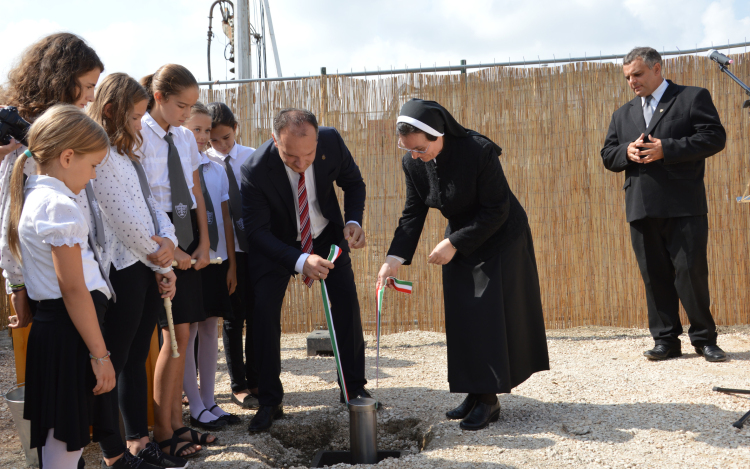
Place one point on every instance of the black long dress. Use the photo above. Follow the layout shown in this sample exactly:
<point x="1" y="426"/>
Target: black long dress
<point x="493" y="311"/>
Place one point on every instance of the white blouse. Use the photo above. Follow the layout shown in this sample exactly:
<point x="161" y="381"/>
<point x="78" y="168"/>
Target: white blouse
<point x="126" y="216"/>
<point x="217" y="185"/>
<point x="237" y="157"/>
<point x="51" y="217"/>
<point x="155" y="152"/>
<point x="12" y="270"/>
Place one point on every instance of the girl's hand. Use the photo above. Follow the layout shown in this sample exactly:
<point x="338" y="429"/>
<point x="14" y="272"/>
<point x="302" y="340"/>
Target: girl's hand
<point x="202" y="257"/>
<point x="442" y="254"/>
<point x="389" y="269"/>
<point x="105" y="376"/>
<point x="20" y="302"/>
<point x="182" y="258"/>
<point x="6" y="150"/>
<point x="164" y="256"/>
<point x="231" y="279"/>
<point x="168" y="289"/>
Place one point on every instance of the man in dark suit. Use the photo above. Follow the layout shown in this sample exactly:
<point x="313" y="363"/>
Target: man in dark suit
<point x="292" y="217"/>
<point x="661" y="139"/>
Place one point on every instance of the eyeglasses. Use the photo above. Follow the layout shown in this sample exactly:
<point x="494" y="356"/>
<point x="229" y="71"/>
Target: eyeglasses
<point x="418" y="152"/>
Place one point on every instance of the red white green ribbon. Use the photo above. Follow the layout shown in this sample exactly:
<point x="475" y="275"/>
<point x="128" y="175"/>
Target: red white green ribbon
<point x="400" y="286"/>
<point x="332" y="256"/>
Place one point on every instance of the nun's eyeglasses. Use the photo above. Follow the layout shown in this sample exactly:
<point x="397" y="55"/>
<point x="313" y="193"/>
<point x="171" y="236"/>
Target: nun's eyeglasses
<point x="418" y="152"/>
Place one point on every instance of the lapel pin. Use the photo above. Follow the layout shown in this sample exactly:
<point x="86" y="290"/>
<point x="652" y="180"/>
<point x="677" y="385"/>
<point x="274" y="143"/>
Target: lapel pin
<point x="661" y="110"/>
<point x="324" y="157"/>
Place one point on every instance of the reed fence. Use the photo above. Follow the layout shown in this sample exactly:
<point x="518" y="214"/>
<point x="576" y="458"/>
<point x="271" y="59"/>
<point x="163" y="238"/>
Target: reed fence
<point x="551" y="123"/>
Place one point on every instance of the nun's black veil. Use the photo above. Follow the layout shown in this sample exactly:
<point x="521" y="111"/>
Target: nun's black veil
<point x="438" y="118"/>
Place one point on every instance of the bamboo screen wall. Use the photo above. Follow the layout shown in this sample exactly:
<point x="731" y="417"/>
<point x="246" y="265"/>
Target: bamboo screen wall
<point x="551" y="123"/>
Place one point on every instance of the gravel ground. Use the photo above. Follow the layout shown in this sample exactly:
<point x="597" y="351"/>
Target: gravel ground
<point x="601" y="405"/>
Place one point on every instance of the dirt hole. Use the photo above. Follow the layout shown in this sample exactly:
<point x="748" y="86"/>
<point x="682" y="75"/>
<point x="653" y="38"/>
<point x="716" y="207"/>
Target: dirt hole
<point x="295" y="439"/>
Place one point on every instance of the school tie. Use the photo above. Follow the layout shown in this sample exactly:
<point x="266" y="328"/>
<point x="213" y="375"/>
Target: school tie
<point x="648" y="111"/>
<point x="98" y="237"/>
<point x="304" y="222"/>
<point x="181" y="200"/>
<point x="213" y="229"/>
<point x="146" y="190"/>
<point x="235" y="206"/>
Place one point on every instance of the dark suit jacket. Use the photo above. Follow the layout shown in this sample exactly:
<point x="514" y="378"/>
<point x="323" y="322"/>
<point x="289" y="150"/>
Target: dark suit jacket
<point x="688" y="125"/>
<point x="268" y="200"/>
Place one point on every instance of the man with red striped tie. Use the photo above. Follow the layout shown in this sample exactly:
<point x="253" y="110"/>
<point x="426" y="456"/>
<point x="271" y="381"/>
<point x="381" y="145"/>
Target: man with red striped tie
<point x="292" y="217"/>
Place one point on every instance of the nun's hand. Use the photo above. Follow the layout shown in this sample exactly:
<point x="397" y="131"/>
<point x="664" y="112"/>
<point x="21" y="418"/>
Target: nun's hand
<point x="389" y="269"/>
<point x="442" y="254"/>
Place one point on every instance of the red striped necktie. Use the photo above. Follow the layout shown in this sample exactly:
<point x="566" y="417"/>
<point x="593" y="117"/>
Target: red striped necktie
<point x="304" y="222"/>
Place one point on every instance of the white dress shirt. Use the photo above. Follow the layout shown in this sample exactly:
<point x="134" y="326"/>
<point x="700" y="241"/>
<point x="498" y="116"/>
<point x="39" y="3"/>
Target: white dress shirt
<point x="317" y="221"/>
<point x="155" y="151"/>
<point x="51" y="217"/>
<point x="237" y="157"/>
<point x="656" y="95"/>
<point x="217" y="185"/>
<point x="12" y="270"/>
<point x="126" y="216"/>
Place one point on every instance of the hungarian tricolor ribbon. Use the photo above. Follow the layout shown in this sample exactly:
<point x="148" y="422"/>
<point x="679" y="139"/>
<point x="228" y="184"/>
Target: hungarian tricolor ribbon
<point x="332" y="256"/>
<point x="400" y="286"/>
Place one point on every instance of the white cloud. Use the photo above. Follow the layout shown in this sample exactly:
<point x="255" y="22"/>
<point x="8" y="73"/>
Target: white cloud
<point x="721" y="25"/>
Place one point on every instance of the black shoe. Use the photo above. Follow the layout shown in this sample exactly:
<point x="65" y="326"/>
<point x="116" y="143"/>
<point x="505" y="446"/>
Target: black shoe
<point x="230" y="419"/>
<point x="155" y="456"/>
<point x="265" y="417"/>
<point x="460" y="412"/>
<point x="481" y="416"/>
<point x="128" y="461"/>
<point x="361" y="392"/>
<point x="663" y="352"/>
<point x="249" y="402"/>
<point x="215" y="424"/>
<point x="712" y="353"/>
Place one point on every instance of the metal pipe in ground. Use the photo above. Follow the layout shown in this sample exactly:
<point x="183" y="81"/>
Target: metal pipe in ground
<point x="363" y="430"/>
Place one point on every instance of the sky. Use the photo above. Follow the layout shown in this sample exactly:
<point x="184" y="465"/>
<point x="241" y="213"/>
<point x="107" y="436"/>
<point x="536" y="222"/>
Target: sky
<point x="138" y="36"/>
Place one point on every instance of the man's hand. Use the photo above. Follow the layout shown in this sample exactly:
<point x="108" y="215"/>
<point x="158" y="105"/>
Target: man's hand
<point x="653" y="151"/>
<point x="633" y="150"/>
<point x="6" y="150"/>
<point x="316" y="267"/>
<point x="355" y="235"/>
<point x="169" y="288"/>
<point x="20" y="302"/>
<point x="442" y="254"/>
<point x="165" y="255"/>
<point x="182" y="258"/>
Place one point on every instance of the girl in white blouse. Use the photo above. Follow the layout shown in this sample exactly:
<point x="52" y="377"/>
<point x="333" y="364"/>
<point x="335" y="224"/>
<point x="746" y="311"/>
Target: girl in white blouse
<point x="171" y="160"/>
<point x="219" y="281"/>
<point x="66" y="357"/>
<point x="141" y="242"/>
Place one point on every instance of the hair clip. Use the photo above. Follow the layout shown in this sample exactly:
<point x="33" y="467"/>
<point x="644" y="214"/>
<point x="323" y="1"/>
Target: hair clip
<point x="28" y="153"/>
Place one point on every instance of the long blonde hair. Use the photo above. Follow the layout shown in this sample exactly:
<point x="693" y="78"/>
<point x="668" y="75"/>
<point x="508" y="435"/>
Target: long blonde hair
<point x="61" y="127"/>
<point x="121" y="92"/>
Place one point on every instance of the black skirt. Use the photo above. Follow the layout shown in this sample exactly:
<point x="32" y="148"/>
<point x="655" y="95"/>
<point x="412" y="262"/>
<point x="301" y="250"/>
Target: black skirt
<point x="59" y="377"/>
<point x="493" y="319"/>
<point x="187" y="304"/>
<point x="215" y="294"/>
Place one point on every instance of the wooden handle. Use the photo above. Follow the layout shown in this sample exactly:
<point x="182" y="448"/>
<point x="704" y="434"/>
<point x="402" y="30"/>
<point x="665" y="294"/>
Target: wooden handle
<point x="218" y="260"/>
<point x="170" y="324"/>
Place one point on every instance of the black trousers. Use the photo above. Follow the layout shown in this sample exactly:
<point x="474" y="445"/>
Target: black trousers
<point x="128" y="327"/>
<point x="243" y="373"/>
<point x="344" y="312"/>
<point x="672" y="255"/>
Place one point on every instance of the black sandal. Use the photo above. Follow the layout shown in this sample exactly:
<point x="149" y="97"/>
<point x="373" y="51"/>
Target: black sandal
<point x="173" y="451"/>
<point x="215" y="424"/>
<point x="203" y="440"/>
<point x="230" y="419"/>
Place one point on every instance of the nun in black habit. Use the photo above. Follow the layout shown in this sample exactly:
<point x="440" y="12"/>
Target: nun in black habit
<point x="493" y="311"/>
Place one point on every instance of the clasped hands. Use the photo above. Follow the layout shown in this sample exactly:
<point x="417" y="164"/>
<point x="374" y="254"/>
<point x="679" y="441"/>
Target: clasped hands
<point x="645" y="152"/>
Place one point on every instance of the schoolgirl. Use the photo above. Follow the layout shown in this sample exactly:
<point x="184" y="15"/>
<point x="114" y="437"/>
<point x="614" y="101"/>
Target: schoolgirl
<point x="67" y="362"/>
<point x="58" y="69"/>
<point x="141" y="242"/>
<point x="219" y="280"/>
<point x="171" y="166"/>
<point x="243" y="373"/>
